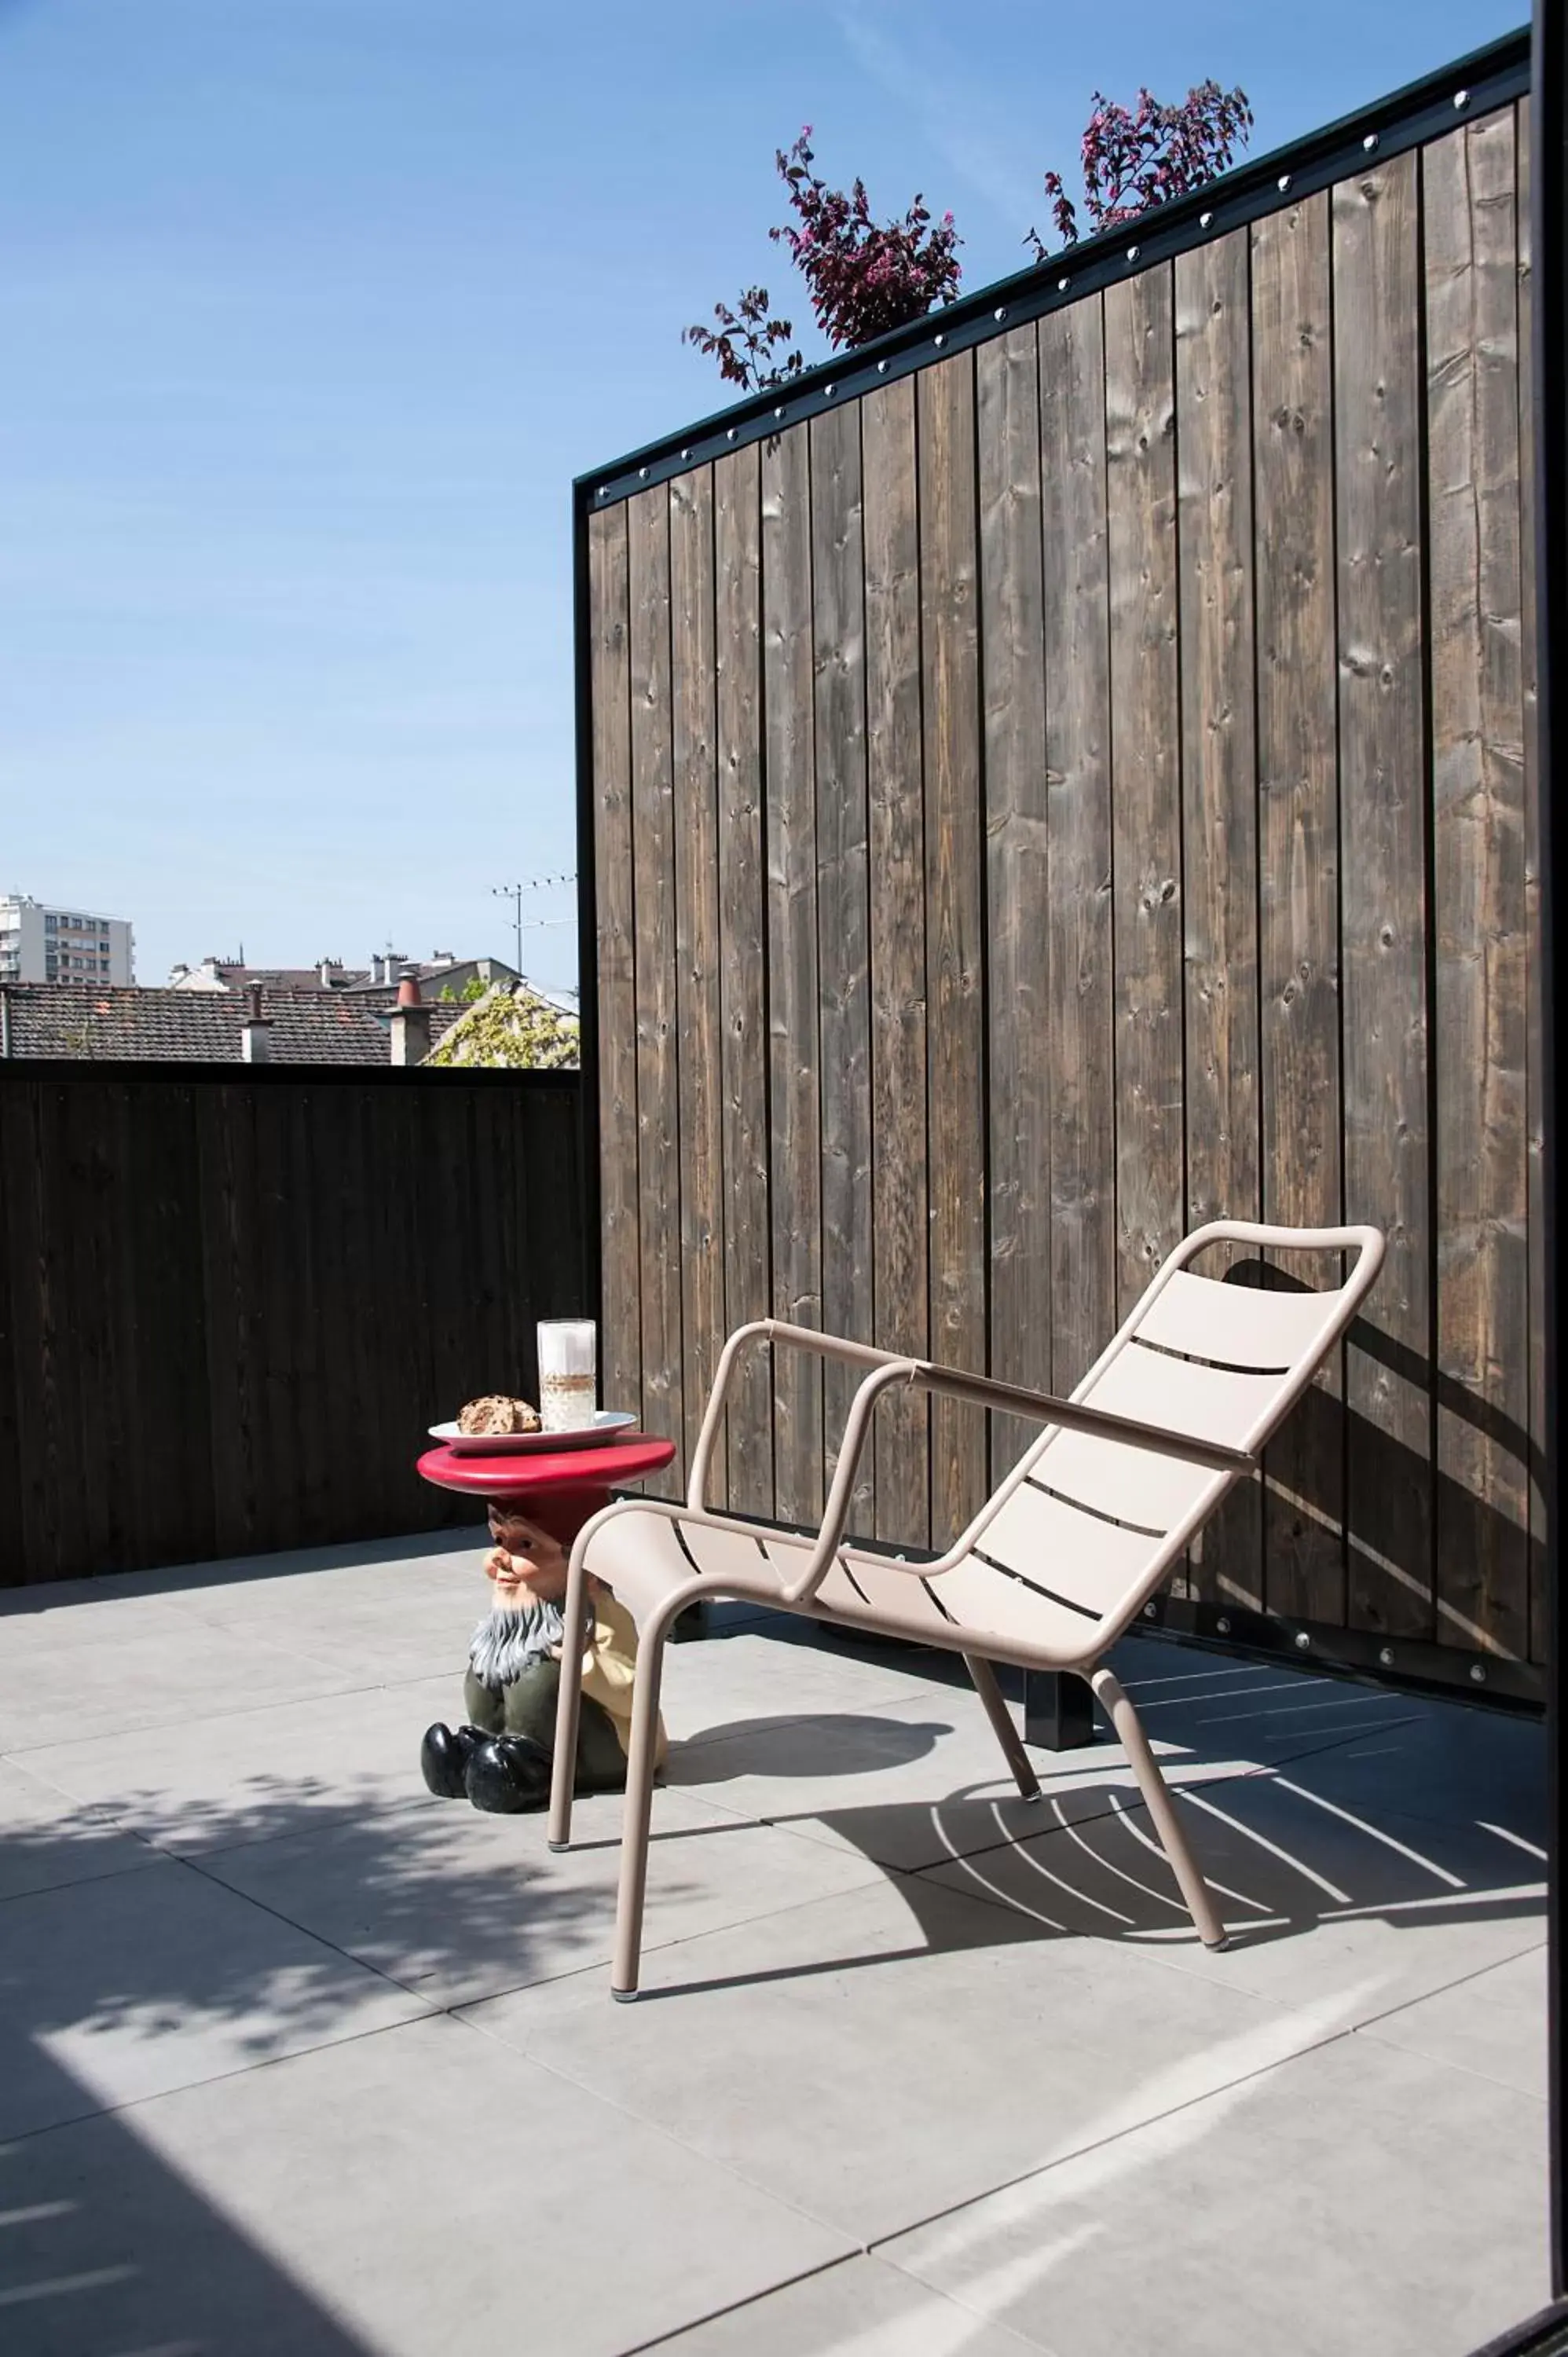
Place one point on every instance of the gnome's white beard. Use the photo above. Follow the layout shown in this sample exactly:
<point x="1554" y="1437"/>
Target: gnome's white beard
<point x="510" y="1638"/>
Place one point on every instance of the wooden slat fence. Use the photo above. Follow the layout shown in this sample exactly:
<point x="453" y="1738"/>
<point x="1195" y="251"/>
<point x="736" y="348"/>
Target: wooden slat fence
<point x="231" y="1305"/>
<point x="1122" y="739"/>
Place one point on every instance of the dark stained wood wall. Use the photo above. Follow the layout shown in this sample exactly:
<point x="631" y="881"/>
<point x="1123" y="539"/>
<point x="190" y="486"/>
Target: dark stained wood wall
<point x="230" y="1306"/>
<point x="1123" y="755"/>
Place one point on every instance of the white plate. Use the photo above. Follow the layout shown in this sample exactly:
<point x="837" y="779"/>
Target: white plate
<point x="607" y="1425"/>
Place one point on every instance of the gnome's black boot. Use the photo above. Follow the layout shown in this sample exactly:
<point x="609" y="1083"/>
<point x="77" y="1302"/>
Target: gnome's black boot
<point x="508" y="1774"/>
<point x="443" y="1757"/>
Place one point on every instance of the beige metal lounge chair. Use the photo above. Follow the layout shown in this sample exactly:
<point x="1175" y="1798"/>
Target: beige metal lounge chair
<point x="1054" y="1568"/>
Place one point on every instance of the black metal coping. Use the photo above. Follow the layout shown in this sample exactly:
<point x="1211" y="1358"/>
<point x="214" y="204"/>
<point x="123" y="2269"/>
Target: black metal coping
<point x="201" y="1072"/>
<point x="1472" y="86"/>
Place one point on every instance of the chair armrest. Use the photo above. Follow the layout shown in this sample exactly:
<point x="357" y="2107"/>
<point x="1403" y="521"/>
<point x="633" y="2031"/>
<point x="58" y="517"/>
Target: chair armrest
<point x="1042" y="1407"/>
<point x="747" y="1338"/>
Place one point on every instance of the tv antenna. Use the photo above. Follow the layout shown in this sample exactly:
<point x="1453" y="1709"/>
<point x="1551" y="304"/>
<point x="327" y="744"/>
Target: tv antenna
<point x="521" y="925"/>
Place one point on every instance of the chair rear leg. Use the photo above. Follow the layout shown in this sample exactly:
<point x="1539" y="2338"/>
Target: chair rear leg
<point x="1151" y="1784"/>
<point x="1001" y="1718"/>
<point x="627" y="1967"/>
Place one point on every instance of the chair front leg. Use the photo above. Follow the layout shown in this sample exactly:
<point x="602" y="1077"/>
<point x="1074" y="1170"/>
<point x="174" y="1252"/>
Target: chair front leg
<point x="640" y="1768"/>
<point x="1151" y="1784"/>
<point x="1000" y="1718"/>
<point x="564" y="1770"/>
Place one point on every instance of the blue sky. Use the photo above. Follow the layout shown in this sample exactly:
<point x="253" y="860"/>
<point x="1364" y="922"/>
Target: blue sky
<point x="311" y="309"/>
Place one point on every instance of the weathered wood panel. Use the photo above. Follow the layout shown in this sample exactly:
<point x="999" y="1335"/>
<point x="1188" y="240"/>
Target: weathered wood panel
<point x="1534" y="1044"/>
<point x="1018" y="934"/>
<point x="219" y="1295"/>
<point x="794" y="1012"/>
<point x="898" y="943"/>
<point x="1299" y="863"/>
<point x="844" y="918"/>
<point x="954" y="902"/>
<point x="747" y="1249"/>
<point x="697" y="995"/>
<point x="1220" y="840"/>
<point x="1478" y="753"/>
<point x="614" y="926"/>
<point x="653" y="889"/>
<point x="1141" y="490"/>
<point x="1078" y="768"/>
<point x="1384" y="916"/>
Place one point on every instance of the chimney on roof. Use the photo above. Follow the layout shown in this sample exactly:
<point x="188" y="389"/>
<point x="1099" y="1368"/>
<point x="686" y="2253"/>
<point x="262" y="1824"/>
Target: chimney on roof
<point x="323" y="973"/>
<point x="410" y="1022"/>
<point x="255" y="1039"/>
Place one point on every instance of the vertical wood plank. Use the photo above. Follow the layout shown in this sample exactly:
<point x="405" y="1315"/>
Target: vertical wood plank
<point x="1477" y="751"/>
<point x="1220" y="836"/>
<point x="1383" y="910"/>
<point x="653" y="892"/>
<point x="692" y="696"/>
<point x="1530" y="656"/>
<point x="1298" y="864"/>
<point x="954" y="893"/>
<point x="795" y="1187"/>
<point x="1145" y="697"/>
<point x="1012" y="610"/>
<point x="898" y="927"/>
<point x="843" y="945"/>
<point x="749" y="1283"/>
<point x="620" y="1340"/>
<point x="1078" y="757"/>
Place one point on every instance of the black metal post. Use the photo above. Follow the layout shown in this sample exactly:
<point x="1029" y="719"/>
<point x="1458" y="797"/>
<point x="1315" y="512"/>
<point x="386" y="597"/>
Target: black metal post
<point x="1058" y="1710"/>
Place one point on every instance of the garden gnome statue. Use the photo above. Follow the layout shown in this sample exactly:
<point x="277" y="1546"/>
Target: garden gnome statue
<point x="502" y="1758"/>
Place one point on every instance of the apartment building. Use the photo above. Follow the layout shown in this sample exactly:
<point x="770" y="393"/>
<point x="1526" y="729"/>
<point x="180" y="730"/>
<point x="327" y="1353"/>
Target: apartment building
<point x="44" y="944"/>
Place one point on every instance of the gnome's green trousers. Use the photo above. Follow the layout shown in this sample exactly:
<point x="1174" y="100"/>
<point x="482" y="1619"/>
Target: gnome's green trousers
<point x="527" y="1706"/>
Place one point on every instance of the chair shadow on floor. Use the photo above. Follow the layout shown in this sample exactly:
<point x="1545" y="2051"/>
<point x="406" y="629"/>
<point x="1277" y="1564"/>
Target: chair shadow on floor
<point x="1371" y="1806"/>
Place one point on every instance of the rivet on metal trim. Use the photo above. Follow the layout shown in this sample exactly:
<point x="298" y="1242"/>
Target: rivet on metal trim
<point x="1204" y="219"/>
<point x="1132" y="254"/>
<point x="1477" y="1672"/>
<point x="1386" y="1656"/>
<point x="731" y="434"/>
<point x="1303" y="1642"/>
<point x="829" y="391"/>
<point x="1151" y="1611"/>
<point x="1062" y="286"/>
<point x="1369" y="142"/>
<point x="685" y="454"/>
<point x="603" y="489"/>
<point x="642" y="474"/>
<point x="881" y="367"/>
<point x="1000" y="312"/>
<point x="1284" y="182"/>
<point x="938" y="342"/>
<point x="780" y="411"/>
<point x="1223" y="1626"/>
<point x="1461" y="98"/>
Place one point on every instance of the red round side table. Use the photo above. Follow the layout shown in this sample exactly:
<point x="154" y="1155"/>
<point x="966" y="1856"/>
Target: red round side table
<point x="576" y="1481"/>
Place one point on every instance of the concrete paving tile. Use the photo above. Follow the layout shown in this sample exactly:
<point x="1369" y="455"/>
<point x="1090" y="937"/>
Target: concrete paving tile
<point x="1341" y="2200"/>
<point x="114" y="1990"/>
<point x="96" y="1679"/>
<point x="1452" y="1765"/>
<point x="47" y="1840"/>
<point x="419" y="2192"/>
<point x="458" y="1905"/>
<point x="860" y="2308"/>
<point x="904" y="2048"/>
<point x="257" y="1774"/>
<point x="1371" y="1909"/>
<point x="1494" y="2022"/>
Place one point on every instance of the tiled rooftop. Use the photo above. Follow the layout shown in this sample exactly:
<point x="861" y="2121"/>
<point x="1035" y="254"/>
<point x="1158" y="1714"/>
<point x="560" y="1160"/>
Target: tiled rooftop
<point x="308" y="1027"/>
<point x="296" y="2058"/>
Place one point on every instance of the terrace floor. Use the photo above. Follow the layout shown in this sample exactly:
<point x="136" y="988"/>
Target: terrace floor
<point x="296" y="2062"/>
